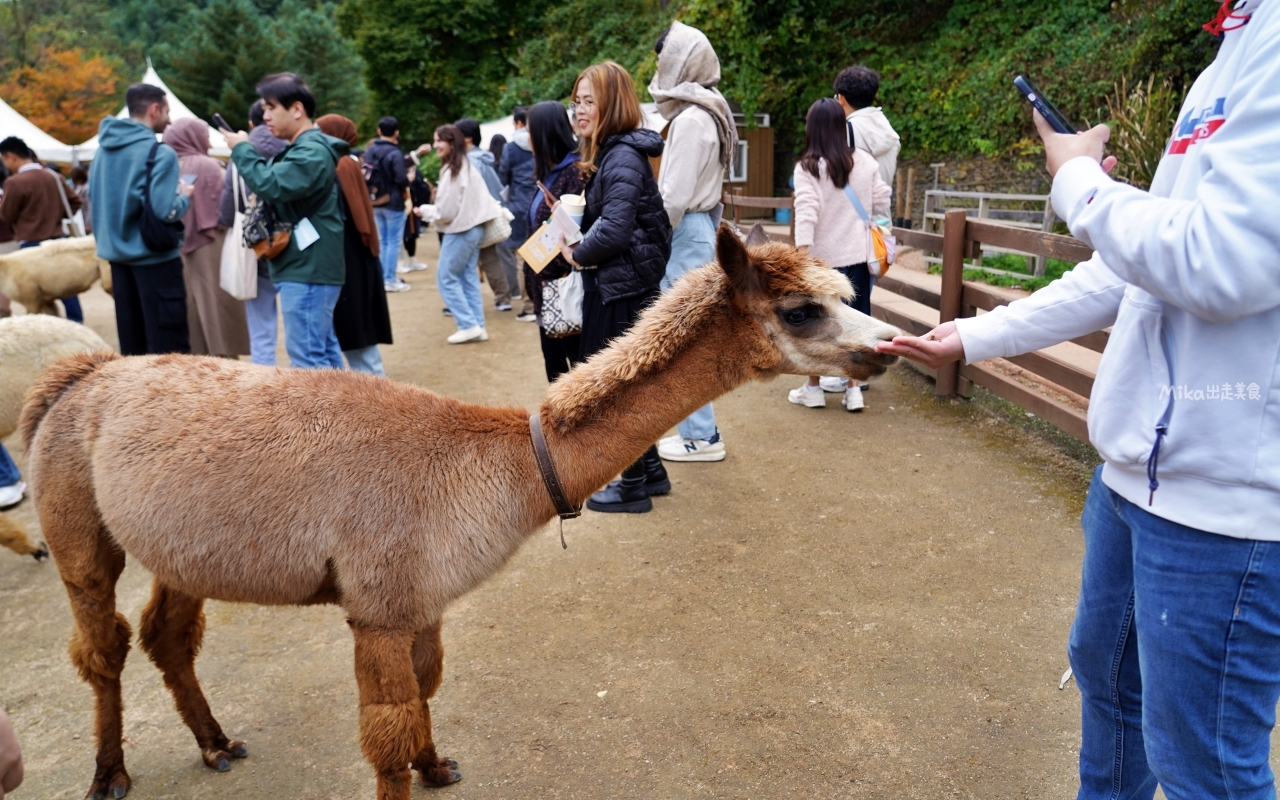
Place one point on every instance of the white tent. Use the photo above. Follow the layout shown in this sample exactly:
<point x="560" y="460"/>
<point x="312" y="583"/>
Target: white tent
<point x="507" y="126"/>
<point x="47" y="148"/>
<point x="177" y="111"/>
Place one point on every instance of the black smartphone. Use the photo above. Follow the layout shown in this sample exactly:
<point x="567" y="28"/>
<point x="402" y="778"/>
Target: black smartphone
<point x="1047" y="109"/>
<point x="220" y="123"/>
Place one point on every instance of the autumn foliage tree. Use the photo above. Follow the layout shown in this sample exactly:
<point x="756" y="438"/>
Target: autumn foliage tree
<point x="64" y="92"/>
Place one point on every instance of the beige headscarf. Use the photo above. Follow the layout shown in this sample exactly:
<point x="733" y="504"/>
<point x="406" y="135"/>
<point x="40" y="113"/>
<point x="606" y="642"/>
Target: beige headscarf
<point x="688" y="71"/>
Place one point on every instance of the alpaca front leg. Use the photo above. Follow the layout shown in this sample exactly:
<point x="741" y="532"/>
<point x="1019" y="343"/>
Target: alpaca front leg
<point x="392" y="729"/>
<point x="428" y="664"/>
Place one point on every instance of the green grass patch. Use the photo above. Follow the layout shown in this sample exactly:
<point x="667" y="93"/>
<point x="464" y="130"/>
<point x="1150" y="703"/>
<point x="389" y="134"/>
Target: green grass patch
<point x="1009" y="262"/>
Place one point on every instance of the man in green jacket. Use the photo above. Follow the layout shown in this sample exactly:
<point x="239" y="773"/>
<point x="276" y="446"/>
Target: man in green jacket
<point x="301" y="185"/>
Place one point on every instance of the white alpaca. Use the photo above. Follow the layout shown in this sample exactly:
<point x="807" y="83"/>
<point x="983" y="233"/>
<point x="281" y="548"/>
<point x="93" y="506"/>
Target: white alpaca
<point x="57" y="268"/>
<point x="28" y="345"/>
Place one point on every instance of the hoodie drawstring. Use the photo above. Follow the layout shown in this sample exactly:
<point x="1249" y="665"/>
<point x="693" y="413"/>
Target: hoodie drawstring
<point x="1153" y="462"/>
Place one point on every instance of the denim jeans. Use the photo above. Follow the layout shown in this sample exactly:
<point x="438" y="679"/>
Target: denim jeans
<point x="9" y="474"/>
<point x="458" y="277"/>
<point x="390" y="233"/>
<point x="263" y="331"/>
<point x="1176" y="649"/>
<point x="367" y="360"/>
<point x="308" y="324"/>
<point x="693" y="243"/>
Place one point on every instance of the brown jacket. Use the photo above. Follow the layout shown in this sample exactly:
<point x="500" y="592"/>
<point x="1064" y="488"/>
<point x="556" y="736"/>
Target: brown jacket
<point x="33" y="205"/>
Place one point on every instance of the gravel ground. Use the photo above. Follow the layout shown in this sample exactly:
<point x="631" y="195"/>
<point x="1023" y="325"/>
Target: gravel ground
<point x="871" y="605"/>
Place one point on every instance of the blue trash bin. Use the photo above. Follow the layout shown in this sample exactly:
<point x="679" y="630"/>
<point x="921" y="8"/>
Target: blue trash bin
<point x="782" y="216"/>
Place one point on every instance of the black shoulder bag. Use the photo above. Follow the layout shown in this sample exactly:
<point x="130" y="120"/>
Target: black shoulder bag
<point x="159" y="236"/>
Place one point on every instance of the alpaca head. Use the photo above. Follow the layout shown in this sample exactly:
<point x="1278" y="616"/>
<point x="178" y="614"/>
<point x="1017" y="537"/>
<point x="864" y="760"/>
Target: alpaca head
<point x="797" y="303"/>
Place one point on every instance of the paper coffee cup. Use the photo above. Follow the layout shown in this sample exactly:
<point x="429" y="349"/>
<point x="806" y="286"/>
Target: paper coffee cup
<point x="575" y="205"/>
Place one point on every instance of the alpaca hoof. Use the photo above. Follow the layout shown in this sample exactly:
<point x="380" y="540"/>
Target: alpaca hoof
<point x="221" y="759"/>
<point x="443" y="773"/>
<point x="114" y="787"/>
<point x="41" y="553"/>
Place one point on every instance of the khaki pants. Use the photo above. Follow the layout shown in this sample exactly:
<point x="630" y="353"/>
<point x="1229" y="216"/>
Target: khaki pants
<point x="491" y="267"/>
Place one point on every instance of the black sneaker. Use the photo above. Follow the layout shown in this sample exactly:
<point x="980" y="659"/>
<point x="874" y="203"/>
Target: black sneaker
<point x="447" y="312"/>
<point x="625" y="495"/>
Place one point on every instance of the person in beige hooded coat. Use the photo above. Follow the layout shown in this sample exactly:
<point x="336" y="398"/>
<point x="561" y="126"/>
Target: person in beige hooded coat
<point x="701" y="140"/>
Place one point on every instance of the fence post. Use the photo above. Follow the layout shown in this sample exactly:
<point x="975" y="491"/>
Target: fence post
<point x="952" y="289"/>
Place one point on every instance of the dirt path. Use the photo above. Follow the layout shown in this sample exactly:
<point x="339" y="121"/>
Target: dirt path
<point x="868" y="606"/>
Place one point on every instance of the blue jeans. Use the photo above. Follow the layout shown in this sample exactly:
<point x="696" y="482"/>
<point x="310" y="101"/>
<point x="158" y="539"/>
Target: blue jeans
<point x="458" y="278"/>
<point x="261" y="312"/>
<point x="367" y="360"/>
<point x="390" y="232"/>
<point x="1176" y="649"/>
<point x="70" y="304"/>
<point x="308" y="324"/>
<point x="693" y="243"/>
<point x="9" y="474"/>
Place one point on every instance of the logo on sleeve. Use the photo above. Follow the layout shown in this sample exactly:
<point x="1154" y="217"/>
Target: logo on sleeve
<point x="1194" y="128"/>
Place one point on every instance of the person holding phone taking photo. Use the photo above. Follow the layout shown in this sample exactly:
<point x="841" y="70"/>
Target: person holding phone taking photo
<point x="1176" y="639"/>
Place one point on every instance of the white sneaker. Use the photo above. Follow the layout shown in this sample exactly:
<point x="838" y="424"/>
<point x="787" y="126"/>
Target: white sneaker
<point x="833" y="384"/>
<point x="11" y="495"/>
<point x="473" y="334"/>
<point x="527" y="318"/>
<point x="414" y="266"/>
<point x="396" y="286"/>
<point x="402" y="268"/>
<point x="678" y="448"/>
<point x="808" y="396"/>
<point x="502" y="307"/>
<point x="853" y="399"/>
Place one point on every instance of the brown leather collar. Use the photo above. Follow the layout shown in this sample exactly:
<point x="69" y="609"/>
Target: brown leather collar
<point x="549" y="477"/>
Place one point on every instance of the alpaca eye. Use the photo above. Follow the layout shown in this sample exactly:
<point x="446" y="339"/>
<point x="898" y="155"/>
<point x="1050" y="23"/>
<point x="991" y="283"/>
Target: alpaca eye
<point x="799" y="316"/>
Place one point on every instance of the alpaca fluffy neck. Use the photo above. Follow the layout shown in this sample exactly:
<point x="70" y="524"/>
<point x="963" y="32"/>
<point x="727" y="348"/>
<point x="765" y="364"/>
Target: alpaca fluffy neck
<point x="689" y="348"/>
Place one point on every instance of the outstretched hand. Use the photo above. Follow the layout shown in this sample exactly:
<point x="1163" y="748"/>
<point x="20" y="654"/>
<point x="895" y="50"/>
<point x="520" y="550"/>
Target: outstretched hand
<point x="939" y="346"/>
<point x="10" y="757"/>
<point x="1059" y="148"/>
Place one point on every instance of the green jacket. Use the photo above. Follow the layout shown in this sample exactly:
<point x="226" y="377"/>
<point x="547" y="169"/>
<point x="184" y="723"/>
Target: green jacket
<point x="291" y="182"/>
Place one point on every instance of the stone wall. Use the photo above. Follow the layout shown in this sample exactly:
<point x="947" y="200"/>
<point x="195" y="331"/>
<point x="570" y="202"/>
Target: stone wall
<point x="1008" y="175"/>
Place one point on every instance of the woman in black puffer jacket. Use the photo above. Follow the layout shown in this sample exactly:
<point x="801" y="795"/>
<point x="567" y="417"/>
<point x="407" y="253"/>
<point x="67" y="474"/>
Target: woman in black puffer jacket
<point x="628" y="241"/>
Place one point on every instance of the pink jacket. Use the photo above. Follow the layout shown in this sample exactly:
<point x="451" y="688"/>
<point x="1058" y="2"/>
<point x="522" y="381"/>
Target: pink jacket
<point x="826" y="221"/>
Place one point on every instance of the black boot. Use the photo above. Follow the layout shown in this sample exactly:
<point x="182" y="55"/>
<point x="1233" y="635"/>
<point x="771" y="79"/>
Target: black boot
<point x="627" y="494"/>
<point x="655" y="475"/>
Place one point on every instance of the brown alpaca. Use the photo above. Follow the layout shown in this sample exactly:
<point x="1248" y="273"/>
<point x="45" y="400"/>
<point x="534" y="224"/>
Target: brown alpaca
<point x="236" y="482"/>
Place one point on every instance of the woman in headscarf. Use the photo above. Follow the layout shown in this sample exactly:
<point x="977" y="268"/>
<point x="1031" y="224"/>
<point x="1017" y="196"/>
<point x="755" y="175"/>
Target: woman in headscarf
<point x="361" y="319"/>
<point x="215" y="319"/>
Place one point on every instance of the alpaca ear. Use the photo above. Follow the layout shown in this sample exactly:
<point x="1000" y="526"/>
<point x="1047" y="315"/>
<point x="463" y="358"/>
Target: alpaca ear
<point x="757" y="236"/>
<point x="732" y="255"/>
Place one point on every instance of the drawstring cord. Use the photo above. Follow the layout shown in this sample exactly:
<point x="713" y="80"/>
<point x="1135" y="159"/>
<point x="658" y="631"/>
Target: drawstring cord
<point x="1219" y="24"/>
<point x="1153" y="462"/>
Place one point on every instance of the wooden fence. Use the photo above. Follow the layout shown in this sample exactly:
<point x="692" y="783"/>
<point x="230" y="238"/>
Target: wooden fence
<point x="962" y="238"/>
<point x="734" y="203"/>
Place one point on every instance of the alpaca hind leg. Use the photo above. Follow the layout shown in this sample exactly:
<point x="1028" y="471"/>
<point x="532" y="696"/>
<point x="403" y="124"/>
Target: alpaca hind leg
<point x="171" y="632"/>
<point x="391" y="724"/>
<point x="428" y="665"/>
<point x="99" y="645"/>
<point x="14" y="537"/>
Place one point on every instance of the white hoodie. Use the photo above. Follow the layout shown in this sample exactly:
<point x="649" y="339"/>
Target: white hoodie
<point x="873" y="133"/>
<point x="1189" y="274"/>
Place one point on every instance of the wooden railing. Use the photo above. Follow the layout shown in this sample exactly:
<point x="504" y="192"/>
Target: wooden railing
<point x="962" y="238"/>
<point x="734" y="203"/>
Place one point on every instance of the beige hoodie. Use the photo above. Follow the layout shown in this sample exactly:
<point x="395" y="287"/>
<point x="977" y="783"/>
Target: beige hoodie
<point x="872" y="133"/>
<point x="462" y="202"/>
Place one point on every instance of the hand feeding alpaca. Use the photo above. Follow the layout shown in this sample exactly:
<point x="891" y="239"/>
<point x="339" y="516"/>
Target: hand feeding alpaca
<point x="28" y="345"/>
<point x="386" y="499"/>
<point x="58" y="268"/>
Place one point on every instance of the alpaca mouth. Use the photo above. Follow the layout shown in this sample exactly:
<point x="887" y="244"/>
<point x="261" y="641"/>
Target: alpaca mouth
<point x="871" y="362"/>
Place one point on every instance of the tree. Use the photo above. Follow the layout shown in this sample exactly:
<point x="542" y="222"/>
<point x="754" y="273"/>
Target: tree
<point x="329" y="63"/>
<point x="431" y="61"/>
<point x="66" y="93"/>
<point x="227" y="49"/>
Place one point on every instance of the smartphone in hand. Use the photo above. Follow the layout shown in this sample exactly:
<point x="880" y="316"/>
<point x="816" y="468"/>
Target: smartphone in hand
<point x="1048" y="110"/>
<point x="220" y="123"/>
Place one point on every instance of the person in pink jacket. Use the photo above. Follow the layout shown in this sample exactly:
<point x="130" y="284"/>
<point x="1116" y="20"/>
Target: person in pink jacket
<point x="828" y="225"/>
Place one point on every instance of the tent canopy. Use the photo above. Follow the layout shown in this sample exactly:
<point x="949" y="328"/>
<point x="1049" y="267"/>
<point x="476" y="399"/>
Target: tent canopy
<point x="47" y="148"/>
<point x="177" y="111"/>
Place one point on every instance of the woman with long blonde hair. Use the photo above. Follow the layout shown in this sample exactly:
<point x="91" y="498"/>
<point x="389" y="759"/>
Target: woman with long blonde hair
<point x="626" y="244"/>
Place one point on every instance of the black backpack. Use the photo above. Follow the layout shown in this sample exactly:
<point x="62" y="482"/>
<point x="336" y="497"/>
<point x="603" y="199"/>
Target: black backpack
<point x="378" y="175"/>
<point x="159" y="236"/>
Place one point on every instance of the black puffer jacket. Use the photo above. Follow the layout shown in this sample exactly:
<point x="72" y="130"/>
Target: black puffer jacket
<point x="631" y="242"/>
